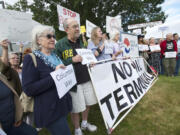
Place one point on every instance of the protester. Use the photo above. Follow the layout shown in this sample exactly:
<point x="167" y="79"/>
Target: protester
<point x="14" y="61"/>
<point x="117" y="51"/>
<point x="142" y="41"/>
<point x="97" y="45"/>
<point x="83" y="36"/>
<point x="154" y="56"/>
<point x="11" y="110"/>
<point x="49" y="110"/>
<point x="162" y="68"/>
<point x="176" y="38"/>
<point x="82" y="95"/>
<point x="168" y="45"/>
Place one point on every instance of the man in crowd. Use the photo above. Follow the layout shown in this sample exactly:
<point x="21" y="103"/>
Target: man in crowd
<point x="168" y="45"/>
<point x="176" y="38"/>
<point x="82" y="95"/>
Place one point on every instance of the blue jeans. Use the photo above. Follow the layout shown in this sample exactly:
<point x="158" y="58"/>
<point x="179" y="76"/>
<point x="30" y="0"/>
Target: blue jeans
<point x="177" y="65"/>
<point x="23" y="129"/>
<point x="59" y="127"/>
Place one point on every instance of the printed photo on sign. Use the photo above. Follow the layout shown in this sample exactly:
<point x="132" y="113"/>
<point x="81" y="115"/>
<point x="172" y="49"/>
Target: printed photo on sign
<point x="64" y="13"/>
<point x="87" y="56"/>
<point x="64" y="79"/>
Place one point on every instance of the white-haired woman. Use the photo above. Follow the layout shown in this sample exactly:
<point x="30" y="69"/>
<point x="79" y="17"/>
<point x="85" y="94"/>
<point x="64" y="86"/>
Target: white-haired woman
<point x="96" y="44"/>
<point x="114" y="38"/>
<point x="49" y="111"/>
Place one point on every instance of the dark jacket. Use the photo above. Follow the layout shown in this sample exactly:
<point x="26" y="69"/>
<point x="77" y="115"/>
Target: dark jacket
<point x="38" y="83"/>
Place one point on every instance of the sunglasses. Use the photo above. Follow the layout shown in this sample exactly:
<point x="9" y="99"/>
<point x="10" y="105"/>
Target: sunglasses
<point x="49" y="36"/>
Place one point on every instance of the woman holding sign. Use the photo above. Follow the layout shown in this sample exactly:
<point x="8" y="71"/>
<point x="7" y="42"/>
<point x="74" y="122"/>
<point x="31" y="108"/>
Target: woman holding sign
<point x="154" y="55"/>
<point x="117" y="50"/>
<point x="49" y="111"/>
<point x="97" y="45"/>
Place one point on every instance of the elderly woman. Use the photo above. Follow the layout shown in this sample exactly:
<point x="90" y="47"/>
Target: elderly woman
<point x="154" y="56"/>
<point x="49" y="110"/>
<point x="117" y="51"/>
<point x="97" y="45"/>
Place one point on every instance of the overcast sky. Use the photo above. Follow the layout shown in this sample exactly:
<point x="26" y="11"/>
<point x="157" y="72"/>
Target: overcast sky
<point x="171" y="8"/>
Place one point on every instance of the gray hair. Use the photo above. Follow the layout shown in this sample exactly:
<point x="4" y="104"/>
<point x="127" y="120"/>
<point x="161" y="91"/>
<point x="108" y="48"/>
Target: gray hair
<point x="67" y="21"/>
<point x="37" y="32"/>
<point x="113" y="34"/>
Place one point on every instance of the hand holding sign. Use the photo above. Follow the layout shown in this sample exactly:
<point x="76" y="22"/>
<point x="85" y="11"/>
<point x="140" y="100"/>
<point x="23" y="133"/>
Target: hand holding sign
<point x="64" y="79"/>
<point x="77" y="59"/>
<point x="60" y="66"/>
<point x="86" y="55"/>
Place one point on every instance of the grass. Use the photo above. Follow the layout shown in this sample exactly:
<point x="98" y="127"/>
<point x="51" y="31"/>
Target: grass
<point x="158" y="113"/>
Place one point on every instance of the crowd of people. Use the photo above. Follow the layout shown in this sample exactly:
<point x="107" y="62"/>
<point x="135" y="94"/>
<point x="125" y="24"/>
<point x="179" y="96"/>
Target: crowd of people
<point x="28" y="76"/>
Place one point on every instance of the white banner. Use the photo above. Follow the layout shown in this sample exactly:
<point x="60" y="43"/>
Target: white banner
<point x="130" y="45"/>
<point x="15" y="26"/>
<point x="170" y="54"/>
<point x="64" y="13"/>
<point x="89" y="27"/>
<point x="119" y="85"/>
<point x="141" y="25"/>
<point x="64" y="79"/>
<point x="113" y="23"/>
<point x="87" y="56"/>
<point x="155" y="48"/>
<point x="143" y="47"/>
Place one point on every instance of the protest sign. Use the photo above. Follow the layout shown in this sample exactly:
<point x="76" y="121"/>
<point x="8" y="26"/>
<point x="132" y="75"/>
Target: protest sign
<point x="141" y="25"/>
<point x="64" y="79"/>
<point x="89" y="27"/>
<point x="154" y="48"/>
<point x="108" y="47"/>
<point x="64" y="13"/>
<point x="121" y="87"/>
<point x="83" y="29"/>
<point x="143" y="47"/>
<point x="113" y="23"/>
<point x="2" y="132"/>
<point x="130" y="45"/>
<point x="15" y="26"/>
<point x="87" y="56"/>
<point x="170" y="54"/>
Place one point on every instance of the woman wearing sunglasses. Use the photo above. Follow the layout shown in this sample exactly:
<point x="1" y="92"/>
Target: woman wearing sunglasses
<point x="49" y="111"/>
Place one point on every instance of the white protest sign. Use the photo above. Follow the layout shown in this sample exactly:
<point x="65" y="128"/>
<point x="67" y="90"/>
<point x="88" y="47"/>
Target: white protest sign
<point x="119" y="85"/>
<point x="155" y="48"/>
<point x="143" y="47"/>
<point x="141" y="25"/>
<point x="2" y="132"/>
<point x="64" y="13"/>
<point x="113" y="23"/>
<point x="87" y="56"/>
<point x="137" y="31"/>
<point x="130" y="44"/>
<point x="15" y="25"/>
<point x="64" y="79"/>
<point x="108" y="47"/>
<point x="170" y="54"/>
<point x="89" y="27"/>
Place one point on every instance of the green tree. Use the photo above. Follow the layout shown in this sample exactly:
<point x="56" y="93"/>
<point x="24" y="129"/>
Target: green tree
<point x="137" y="11"/>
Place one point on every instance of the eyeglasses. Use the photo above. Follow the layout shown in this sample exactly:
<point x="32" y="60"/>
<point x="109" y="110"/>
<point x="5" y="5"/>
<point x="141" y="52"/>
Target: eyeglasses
<point x="75" y="26"/>
<point x="49" y="36"/>
<point x="14" y="58"/>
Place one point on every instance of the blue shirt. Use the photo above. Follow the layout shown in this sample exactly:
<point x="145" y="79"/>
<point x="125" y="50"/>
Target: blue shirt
<point x="94" y="47"/>
<point x="7" y="107"/>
